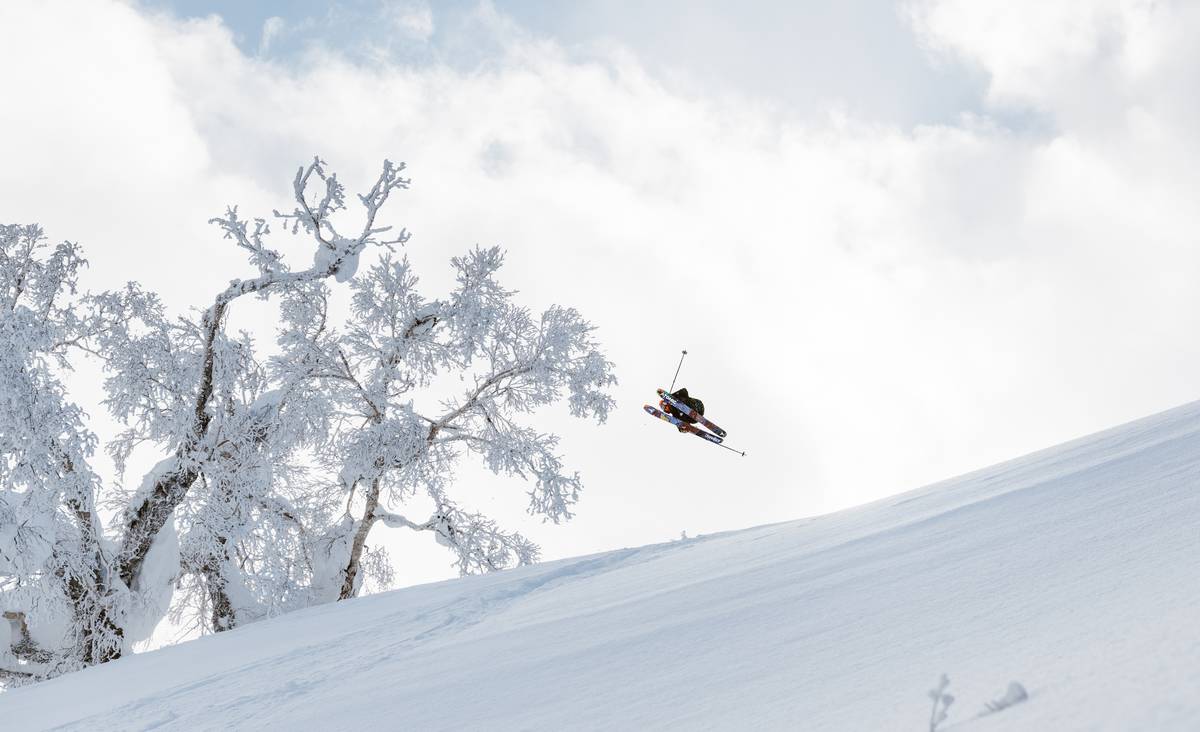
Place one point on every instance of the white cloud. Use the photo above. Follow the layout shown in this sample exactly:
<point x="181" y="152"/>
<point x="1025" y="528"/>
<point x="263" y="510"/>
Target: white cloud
<point x="867" y="307"/>
<point x="411" y="19"/>
<point x="272" y="29"/>
<point x="1088" y="64"/>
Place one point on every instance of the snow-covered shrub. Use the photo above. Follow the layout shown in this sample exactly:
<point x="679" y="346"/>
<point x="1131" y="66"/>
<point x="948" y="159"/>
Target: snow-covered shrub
<point x="1014" y="695"/>
<point x="941" y="703"/>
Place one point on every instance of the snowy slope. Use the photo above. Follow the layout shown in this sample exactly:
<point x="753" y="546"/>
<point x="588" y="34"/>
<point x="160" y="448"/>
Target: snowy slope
<point x="1072" y="571"/>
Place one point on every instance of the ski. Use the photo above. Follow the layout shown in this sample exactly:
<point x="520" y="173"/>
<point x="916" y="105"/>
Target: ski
<point x="690" y="412"/>
<point x="680" y="423"/>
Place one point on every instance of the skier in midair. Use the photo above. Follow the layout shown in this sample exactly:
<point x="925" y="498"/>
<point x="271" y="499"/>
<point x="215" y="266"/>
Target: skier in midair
<point x="686" y="413"/>
<point x="682" y="395"/>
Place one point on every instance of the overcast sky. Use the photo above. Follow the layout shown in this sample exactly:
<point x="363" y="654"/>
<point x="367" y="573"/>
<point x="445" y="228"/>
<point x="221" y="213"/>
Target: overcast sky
<point x="900" y="241"/>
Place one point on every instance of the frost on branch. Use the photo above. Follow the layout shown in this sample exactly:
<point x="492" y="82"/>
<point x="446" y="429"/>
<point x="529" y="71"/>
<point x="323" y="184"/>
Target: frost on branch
<point x="335" y="253"/>
<point x="477" y="542"/>
<point x="268" y="261"/>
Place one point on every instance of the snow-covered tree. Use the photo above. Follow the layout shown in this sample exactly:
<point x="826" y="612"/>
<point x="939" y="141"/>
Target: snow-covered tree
<point x="341" y="444"/>
<point x="70" y="593"/>
<point x="275" y="467"/>
<point x="217" y="416"/>
<point x="58" y="611"/>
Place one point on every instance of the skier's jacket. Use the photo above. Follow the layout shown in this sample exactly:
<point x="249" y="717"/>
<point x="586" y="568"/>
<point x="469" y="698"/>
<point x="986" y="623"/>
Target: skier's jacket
<point x="693" y="402"/>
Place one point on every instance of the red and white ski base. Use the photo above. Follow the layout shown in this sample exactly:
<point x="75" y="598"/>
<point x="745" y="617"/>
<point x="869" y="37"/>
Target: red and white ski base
<point x="681" y="424"/>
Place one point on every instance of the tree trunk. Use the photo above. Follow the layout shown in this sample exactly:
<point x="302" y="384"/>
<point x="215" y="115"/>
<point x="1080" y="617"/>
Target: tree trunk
<point x="223" y="615"/>
<point x="350" y="574"/>
<point x="100" y="639"/>
<point x="170" y="490"/>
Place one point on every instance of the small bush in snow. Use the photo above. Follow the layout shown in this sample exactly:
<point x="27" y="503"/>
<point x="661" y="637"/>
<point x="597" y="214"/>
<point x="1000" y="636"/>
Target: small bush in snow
<point x="941" y="703"/>
<point x="1015" y="695"/>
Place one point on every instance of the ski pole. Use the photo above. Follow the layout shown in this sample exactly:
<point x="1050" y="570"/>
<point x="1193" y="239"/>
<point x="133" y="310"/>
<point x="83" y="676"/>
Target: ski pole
<point x="727" y="447"/>
<point x="676" y="376"/>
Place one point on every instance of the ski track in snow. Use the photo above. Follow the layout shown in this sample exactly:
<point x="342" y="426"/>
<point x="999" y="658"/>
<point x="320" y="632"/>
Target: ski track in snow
<point x="1072" y="571"/>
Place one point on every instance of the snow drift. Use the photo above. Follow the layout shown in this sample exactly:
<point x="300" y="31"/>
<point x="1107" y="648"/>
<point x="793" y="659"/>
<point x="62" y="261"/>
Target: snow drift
<point x="1071" y="572"/>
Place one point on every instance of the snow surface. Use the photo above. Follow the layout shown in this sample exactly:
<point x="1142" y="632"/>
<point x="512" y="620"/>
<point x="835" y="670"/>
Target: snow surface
<point x="1072" y="571"/>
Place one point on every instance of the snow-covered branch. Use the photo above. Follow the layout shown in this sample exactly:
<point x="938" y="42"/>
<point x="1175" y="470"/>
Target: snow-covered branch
<point x="478" y="543"/>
